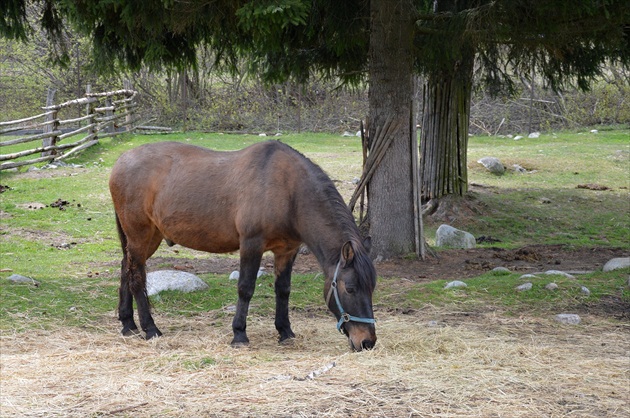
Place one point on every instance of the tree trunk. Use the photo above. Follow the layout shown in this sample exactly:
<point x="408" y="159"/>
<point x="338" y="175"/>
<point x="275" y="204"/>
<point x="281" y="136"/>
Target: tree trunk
<point x="444" y="134"/>
<point x="390" y="193"/>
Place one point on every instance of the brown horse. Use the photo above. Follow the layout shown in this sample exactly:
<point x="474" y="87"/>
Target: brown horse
<point x="267" y="197"/>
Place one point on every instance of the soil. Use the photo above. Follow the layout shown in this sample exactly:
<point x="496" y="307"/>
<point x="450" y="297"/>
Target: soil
<point x="446" y="264"/>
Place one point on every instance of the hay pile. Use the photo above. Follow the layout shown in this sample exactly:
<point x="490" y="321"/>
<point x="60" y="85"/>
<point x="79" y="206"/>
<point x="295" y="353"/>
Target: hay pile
<point x="490" y="367"/>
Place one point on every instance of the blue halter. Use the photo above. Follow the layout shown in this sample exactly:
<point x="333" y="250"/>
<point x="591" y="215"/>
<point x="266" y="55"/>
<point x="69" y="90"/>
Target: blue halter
<point x="345" y="317"/>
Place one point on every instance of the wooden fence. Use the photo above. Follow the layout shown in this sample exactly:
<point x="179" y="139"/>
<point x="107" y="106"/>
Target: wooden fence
<point x="106" y="114"/>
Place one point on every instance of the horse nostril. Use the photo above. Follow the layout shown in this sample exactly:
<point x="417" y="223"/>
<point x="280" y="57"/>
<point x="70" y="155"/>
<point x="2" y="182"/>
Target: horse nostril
<point x="367" y="344"/>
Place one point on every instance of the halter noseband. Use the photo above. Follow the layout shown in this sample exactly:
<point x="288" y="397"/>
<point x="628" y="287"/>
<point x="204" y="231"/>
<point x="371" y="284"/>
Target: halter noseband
<point x="345" y="317"/>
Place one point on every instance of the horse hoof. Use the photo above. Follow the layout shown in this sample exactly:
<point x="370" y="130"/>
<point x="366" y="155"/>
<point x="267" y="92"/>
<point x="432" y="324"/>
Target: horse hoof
<point x="153" y="334"/>
<point x="130" y="332"/>
<point x="239" y="344"/>
<point x="287" y="341"/>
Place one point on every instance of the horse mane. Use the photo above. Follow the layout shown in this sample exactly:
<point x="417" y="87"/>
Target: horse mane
<point x="341" y="217"/>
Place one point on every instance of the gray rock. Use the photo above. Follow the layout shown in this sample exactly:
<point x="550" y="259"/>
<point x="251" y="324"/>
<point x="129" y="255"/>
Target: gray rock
<point x="519" y="169"/>
<point x="501" y="270"/>
<point x="18" y="278"/>
<point x="585" y="291"/>
<point x="517" y="137"/>
<point x="158" y="281"/>
<point x="534" y="135"/>
<point x="524" y="287"/>
<point x="551" y="286"/>
<point x="570" y="319"/>
<point x="617" y="263"/>
<point x="447" y="236"/>
<point x="559" y="273"/>
<point x="235" y="274"/>
<point x="455" y="283"/>
<point x="492" y="164"/>
<point x="528" y="276"/>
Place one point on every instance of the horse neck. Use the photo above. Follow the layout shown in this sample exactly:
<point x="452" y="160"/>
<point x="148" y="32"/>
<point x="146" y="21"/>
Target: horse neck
<point x="324" y="236"/>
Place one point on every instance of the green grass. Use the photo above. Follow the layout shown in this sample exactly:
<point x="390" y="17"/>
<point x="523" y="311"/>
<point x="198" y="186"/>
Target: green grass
<point x="79" y="279"/>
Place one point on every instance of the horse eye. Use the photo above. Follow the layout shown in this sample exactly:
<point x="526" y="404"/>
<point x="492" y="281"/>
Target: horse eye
<point x="350" y="290"/>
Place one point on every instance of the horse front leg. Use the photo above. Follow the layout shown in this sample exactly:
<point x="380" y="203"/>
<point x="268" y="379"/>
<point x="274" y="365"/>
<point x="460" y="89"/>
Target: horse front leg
<point x="283" y="265"/>
<point x="250" y="263"/>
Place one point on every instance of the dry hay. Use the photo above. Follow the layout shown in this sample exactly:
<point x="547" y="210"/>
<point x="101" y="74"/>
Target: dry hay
<point x="491" y="367"/>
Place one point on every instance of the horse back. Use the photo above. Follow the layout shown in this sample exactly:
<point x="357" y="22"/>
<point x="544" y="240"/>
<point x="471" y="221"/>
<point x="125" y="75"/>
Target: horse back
<point x="209" y="200"/>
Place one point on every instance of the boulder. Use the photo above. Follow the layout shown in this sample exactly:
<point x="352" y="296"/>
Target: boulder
<point x="158" y="281"/>
<point x="617" y="263"/>
<point x="447" y="236"/>
<point x="493" y="165"/>
<point x="524" y="287"/>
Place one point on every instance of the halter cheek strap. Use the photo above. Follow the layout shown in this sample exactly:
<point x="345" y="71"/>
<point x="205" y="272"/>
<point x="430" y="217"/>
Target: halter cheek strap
<point x="345" y="317"/>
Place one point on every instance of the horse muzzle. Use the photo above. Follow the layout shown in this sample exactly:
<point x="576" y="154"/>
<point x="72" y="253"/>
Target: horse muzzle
<point x="360" y="336"/>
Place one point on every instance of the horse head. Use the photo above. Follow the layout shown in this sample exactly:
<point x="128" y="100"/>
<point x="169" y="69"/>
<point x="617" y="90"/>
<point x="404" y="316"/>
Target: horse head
<point x="349" y="294"/>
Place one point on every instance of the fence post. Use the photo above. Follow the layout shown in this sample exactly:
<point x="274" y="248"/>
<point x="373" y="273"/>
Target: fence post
<point x="129" y="107"/>
<point x="109" y="126"/>
<point x="89" y="111"/>
<point x="51" y="125"/>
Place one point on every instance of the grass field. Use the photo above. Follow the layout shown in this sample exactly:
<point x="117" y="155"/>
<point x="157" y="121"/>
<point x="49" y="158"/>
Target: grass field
<point x="481" y="351"/>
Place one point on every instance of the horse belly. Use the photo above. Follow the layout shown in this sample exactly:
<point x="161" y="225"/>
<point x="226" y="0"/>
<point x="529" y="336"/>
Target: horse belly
<point x="206" y="229"/>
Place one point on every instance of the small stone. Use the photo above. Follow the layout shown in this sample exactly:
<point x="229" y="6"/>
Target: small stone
<point x="524" y="287"/>
<point x="551" y="286"/>
<point x="617" y="263"/>
<point x="234" y="275"/>
<point x="545" y="200"/>
<point x="455" y="283"/>
<point x="585" y="291"/>
<point x="528" y="276"/>
<point x="534" y="135"/>
<point x="559" y="273"/>
<point x="263" y="134"/>
<point x="594" y="131"/>
<point x="569" y="319"/>
<point x="517" y="137"/>
<point x="18" y="278"/>
<point x="432" y="324"/>
<point x="501" y="270"/>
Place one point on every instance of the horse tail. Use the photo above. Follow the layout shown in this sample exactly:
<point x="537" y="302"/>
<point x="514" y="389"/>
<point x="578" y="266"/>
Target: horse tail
<point x="121" y="234"/>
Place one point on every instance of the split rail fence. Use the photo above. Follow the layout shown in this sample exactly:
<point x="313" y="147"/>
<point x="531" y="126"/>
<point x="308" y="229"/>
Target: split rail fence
<point x="106" y="114"/>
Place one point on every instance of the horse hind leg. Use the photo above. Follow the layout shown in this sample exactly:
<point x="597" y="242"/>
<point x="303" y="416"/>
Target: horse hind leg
<point x="137" y="287"/>
<point x="283" y="265"/>
<point x="133" y="283"/>
<point x="125" y="302"/>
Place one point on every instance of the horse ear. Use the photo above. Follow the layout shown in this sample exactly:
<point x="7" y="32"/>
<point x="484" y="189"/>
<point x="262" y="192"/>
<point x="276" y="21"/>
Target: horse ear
<point x="367" y="243"/>
<point x="347" y="253"/>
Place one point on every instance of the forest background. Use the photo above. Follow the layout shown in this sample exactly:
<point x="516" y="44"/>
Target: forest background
<point x="205" y="99"/>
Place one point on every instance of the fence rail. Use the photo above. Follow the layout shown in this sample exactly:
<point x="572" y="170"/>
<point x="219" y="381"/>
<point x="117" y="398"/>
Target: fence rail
<point x="104" y="117"/>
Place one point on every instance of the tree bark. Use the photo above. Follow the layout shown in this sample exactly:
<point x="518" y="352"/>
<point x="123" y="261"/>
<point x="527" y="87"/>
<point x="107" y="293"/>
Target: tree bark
<point x="390" y="194"/>
<point x="444" y="132"/>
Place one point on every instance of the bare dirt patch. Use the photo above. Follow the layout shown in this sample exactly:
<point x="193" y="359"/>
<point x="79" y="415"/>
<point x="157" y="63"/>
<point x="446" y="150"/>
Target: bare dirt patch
<point x="449" y="264"/>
